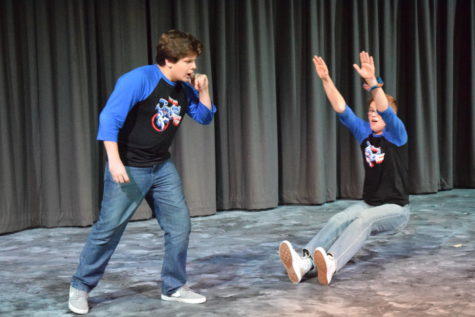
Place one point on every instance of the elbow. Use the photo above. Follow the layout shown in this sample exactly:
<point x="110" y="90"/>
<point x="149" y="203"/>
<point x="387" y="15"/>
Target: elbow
<point x="204" y="115"/>
<point x="108" y="130"/>
<point x="402" y="139"/>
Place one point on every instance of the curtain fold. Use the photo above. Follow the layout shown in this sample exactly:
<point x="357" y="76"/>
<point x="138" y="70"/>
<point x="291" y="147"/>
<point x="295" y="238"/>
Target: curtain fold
<point x="420" y="94"/>
<point x="247" y="153"/>
<point x="446" y="12"/>
<point x="307" y="164"/>
<point x="275" y="139"/>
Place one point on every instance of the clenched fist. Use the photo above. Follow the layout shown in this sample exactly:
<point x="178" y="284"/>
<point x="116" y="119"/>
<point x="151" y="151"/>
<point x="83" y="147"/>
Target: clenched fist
<point x="200" y="82"/>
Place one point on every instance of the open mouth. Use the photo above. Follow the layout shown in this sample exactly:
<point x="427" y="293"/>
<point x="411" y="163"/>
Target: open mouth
<point x="190" y="76"/>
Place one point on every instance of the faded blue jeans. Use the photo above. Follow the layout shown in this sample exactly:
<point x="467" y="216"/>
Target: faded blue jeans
<point x="346" y="232"/>
<point x="161" y="186"/>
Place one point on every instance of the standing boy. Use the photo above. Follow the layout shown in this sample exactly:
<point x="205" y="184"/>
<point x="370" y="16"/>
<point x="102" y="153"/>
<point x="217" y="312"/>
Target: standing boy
<point x="137" y="126"/>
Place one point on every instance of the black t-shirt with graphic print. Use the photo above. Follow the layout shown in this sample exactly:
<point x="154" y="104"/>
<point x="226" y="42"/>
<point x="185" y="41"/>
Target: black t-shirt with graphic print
<point x="385" y="172"/>
<point x="144" y="112"/>
<point x="385" y="157"/>
<point x="150" y="127"/>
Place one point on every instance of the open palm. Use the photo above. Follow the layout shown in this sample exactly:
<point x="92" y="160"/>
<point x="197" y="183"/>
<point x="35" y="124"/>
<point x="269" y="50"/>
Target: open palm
<point x="366" y="70"/>
<point x="321" y="68"/>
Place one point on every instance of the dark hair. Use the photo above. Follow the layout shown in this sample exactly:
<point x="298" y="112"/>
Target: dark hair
<point x="391" y="100"/>
<point x="174" y="45"/>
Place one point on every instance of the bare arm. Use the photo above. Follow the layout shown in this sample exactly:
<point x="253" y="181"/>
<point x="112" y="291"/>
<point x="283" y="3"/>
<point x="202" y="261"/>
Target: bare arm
<point x="367" y="72"/>
<point x="333" y="95"/>
<point x="200" y="83"/>
<point x="116" y="167"/>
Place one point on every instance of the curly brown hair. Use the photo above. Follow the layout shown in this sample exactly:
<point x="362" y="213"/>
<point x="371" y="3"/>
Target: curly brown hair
<point x="174" y="45"/>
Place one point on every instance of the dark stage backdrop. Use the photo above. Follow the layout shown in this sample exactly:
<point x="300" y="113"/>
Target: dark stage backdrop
<point x="275" y="139"/>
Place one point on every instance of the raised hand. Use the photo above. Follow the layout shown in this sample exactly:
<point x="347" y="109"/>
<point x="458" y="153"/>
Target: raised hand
<point x="321" y="68"/>
<point x="367" y="72"/>
<point x="333" y="95"/>
<point x="367" y="69"/>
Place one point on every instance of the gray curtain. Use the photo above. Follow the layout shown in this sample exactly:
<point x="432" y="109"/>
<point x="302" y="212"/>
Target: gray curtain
<point x="275" y="139"/>
<point x="247" y="151"/>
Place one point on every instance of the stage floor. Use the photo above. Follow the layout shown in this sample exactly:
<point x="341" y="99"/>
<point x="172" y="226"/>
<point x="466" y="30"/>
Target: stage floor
<point x="427" y="270"/>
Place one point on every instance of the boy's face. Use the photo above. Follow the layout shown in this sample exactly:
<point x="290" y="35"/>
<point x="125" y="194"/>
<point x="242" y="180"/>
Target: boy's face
<point x="376" y="122"/>
<point x="183" y="69"/>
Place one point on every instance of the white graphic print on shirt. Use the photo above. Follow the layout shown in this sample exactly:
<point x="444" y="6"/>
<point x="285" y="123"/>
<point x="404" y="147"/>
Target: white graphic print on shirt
<point x="373" y="155"/>
<point x="167" y="110"/>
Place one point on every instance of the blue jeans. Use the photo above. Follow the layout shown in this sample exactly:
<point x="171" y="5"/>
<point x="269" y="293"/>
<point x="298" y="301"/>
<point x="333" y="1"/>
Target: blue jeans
<point x="346" y="232"/>
<point x="161" y="186"/>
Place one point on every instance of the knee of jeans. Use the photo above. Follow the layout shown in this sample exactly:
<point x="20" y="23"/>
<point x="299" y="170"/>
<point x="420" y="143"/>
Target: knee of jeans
<point x="181" y="231"/>
<point x="107" y="238"/>
<point x="339" y="218"/>
<point x="186" y="229"/>
<point x="359" y="221"/>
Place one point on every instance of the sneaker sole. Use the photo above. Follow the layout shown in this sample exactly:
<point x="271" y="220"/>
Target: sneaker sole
<point x="77" y="310"/>
<point x="286" y="259"/>
<point x="321" y="264"/>
<point x="181" y="300"/>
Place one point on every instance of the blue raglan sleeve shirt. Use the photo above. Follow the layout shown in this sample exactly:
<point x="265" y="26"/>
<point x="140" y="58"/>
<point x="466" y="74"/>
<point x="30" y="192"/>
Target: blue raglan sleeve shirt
<point x="358" y="127"/>
<point x="394" y="132"/>
<point x="136" y="86"/>
<point x="131" y="88"/>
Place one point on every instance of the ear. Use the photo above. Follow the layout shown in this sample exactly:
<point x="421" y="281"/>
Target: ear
<point x="169" y="64"/>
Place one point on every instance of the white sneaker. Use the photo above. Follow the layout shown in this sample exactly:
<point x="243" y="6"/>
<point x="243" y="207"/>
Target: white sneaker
<point x="78" y="301"/>
<point x="326" y="265"/>
<point x="295" y="265"/>
<point x="185" y="295"/>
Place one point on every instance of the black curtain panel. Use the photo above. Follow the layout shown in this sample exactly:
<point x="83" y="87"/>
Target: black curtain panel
<point x="275" y="139"/>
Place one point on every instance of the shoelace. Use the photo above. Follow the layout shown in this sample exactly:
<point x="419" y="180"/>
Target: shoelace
<point x="76" y="294"/>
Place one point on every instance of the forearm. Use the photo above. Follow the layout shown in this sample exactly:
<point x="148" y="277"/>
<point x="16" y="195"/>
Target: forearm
<point x="336" y="99"/>
<point x="205" y="98"/>
<point x="116" y="167"/>
<point x="112" y="150"/>
<point x="379" y="96"/>
<point x="201" y="85"/>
